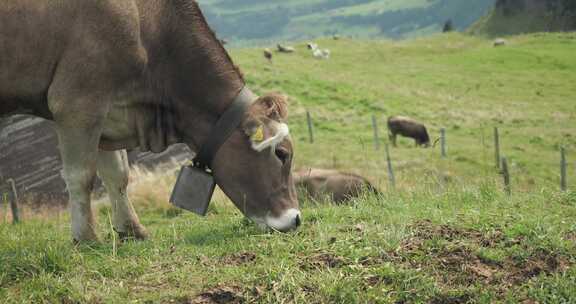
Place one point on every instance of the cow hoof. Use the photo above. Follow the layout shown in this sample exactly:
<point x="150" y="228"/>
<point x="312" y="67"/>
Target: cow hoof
<point x="79" y="242"/>
<point x="86" y="237"/>
<point x="133" y="232"/>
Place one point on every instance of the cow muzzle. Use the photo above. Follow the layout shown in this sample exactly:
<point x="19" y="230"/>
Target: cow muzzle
<point x="289" y="220"/>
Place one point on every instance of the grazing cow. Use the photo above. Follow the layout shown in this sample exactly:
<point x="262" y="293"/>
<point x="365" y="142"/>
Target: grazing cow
<point x="499" y="42"/>
<point x="408" y="127"/>
<point x="321" y="54"/>
<point x="339" y="186"/>
<point x="311" y="46"/>
<point x="317" y="52"/>
<point x="116" y="75"/>
<point x="285" y="49"/>
<point x="268" y="55"/>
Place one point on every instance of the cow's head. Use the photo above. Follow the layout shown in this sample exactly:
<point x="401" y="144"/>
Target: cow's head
<point x="423" y="139"/>
<point x="253" y="167"/>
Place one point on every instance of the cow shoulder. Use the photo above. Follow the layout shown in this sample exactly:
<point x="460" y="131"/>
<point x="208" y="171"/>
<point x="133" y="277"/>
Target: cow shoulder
<point x="108" y="31"/>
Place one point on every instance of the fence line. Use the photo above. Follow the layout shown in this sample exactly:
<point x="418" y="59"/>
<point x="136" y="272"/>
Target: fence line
<point x="502" y="163"/>
<point x="14" y="202"/>
<point x="391" y="177"/>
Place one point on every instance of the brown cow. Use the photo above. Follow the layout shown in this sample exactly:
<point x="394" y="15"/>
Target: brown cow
<point x="285" y="49"/>
<point x="115" y="75"/>
<point x="408" y="127"/>
<point x="338" y="186"/>
<point x="268" y="55"/>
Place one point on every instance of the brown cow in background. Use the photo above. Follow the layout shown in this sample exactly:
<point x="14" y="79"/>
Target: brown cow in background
<point x="408" y="127"/>
<point x="338" y="186"/>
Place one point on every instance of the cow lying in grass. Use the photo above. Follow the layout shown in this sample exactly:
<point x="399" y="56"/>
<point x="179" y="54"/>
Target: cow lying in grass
<point x="339" y="187"/>
<point x="408" y="127"/>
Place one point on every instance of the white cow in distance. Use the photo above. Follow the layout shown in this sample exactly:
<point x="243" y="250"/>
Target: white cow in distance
<point x="317" y="52"/>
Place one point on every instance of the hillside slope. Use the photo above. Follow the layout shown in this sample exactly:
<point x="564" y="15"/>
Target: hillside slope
<point x="510" y="17"/>
<point x="454" y="81"/>
<point x="263" y="20"/>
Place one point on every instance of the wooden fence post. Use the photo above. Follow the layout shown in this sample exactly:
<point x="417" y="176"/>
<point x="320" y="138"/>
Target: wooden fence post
<point x="4" y="200"/>
<point x="506" y="174"/>
<point x="443" y="142"/>
<point x="563" y="165"/>
<point x="376" y="135"/>
<point x="14" y="202"/>
<point x="391" y="178"/>
<point x="310" y="127"/>
<point x="497" y="147"/>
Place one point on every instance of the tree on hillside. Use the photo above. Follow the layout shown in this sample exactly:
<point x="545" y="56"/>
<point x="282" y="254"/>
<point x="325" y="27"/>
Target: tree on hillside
<point x="448" y="26"/>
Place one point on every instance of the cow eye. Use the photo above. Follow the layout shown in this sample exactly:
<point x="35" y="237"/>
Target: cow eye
<point x="282" y="155"/>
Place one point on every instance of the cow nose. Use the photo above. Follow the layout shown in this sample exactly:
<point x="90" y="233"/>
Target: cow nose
<point x="289" y="220"/>
<point x="298" y="222"/>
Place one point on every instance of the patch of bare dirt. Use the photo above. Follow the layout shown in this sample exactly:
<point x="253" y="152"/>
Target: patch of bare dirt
<point x="452" y="299"/>
<point x="358" y="228"/>
<point x="454" y="264"/>
<point x="540" y="263"/>
<point x="239" y="259"/>
<point x="570" y="236"/>
<point x="219" y="295"/>
<point x="373" y="280"/>
<point x="426" y="230"/>
<point x="323" y="260"/>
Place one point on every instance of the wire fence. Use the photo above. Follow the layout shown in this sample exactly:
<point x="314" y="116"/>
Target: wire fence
<point x="9" y="195"/>
<point x="502" y="162"/>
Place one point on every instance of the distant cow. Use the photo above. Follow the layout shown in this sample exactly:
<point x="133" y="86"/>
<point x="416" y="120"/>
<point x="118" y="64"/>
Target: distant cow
<point x="408" y="127"/>
<point x="339" y="186"/>
<point x="268" y="55"/>
<point x="499" y="42"/>
<point x="311" y="46"/>
<point x="317" y="52"/>
<point x="285" y="49"/>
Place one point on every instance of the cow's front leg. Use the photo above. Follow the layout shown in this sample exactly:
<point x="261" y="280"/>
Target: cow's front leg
<point x="114" y="170"/>
<point x="79" y="151"/>
<point x="392" y="137"/>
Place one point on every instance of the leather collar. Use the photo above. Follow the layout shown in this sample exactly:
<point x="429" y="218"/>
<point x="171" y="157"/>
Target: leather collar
<point x="224" y="128"/>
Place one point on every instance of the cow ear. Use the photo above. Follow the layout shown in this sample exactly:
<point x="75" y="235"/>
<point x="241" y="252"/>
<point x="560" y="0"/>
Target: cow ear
<point x="273" y="106"/>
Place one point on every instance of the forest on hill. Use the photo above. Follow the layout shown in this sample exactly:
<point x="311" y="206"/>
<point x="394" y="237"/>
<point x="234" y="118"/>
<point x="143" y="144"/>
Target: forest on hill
<point x="267" y="20"/>
<point x="510" y="17"/>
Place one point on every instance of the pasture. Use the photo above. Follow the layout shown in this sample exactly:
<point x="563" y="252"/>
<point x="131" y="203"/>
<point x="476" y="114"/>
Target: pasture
<point x="446" y="234"/>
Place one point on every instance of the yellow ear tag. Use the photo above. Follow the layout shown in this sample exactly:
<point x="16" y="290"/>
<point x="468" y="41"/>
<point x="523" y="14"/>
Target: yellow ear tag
<point x="258" y="134"/>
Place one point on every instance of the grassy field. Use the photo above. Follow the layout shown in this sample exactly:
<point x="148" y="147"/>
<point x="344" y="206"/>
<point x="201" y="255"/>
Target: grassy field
<point x="446" y="234"/>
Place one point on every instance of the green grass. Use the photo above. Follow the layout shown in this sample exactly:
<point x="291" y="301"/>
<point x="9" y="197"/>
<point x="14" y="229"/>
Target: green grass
<point x="447" y="234"/>
<point x="402" y="247"/>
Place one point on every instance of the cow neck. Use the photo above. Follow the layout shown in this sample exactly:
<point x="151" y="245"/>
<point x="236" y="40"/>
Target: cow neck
<point x="223" y="129"/>
<point x="206" y="78"/>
